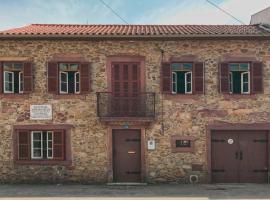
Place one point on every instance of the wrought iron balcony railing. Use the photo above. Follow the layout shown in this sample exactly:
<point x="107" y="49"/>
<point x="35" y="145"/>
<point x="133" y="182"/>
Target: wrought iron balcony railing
<point x="125" y="105"/>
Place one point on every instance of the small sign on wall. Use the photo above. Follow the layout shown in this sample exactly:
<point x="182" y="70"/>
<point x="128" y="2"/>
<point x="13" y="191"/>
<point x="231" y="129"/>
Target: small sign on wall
<point x="41" y="112"/>
<point x="151" y="144"/>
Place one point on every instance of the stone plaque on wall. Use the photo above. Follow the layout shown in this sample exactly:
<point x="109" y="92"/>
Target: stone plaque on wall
<point x="40" y="112"/>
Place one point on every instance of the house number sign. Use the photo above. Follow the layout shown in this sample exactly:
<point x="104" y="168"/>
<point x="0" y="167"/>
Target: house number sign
<point x="41" y="112"/>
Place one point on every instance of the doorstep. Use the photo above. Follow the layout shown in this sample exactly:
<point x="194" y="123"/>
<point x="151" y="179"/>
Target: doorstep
<point x="127" y="184"/>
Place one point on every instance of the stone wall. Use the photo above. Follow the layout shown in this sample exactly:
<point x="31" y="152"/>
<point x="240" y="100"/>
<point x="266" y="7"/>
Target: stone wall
<point x="183" y="115"/>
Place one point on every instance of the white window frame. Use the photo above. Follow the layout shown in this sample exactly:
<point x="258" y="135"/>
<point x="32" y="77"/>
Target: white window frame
<point x="242" y="82"/>
<point x="174" y="90"/>
<point x="77" y="81"/>
<point x="4" y="74"/>
<point x="32" y="145"/>
<point x="186" y="82"/>
<point x="60" y="82"/>
<point x="20" y="82"/>
<point x="49" y="132"/>
<point x="231" y="82"/>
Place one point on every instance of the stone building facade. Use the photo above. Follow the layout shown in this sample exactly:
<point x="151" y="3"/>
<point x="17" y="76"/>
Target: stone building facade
<point x="182" y="125"/>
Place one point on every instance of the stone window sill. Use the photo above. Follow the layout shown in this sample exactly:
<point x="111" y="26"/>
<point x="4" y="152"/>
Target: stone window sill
<point x="70" y="96"/>
<point x="240" y="96"/>
<point x="14" y="96"/>
<point x="43" y="162"/>
<point x="177" y="97"/>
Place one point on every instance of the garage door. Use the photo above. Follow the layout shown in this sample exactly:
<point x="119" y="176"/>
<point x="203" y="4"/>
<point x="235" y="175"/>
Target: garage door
<point x="239" y="156"/>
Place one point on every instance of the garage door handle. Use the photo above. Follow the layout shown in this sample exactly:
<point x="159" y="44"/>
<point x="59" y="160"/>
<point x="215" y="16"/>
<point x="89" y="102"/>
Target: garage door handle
<point x="241" y="155"/>
<point x="236" y="155"/>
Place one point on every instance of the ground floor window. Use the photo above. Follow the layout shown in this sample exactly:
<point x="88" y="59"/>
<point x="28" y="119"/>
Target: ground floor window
<point x="41" y="144"/>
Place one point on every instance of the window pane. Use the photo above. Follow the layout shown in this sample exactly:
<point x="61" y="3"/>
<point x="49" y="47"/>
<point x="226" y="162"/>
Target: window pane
<point x="37" y="136"/>
<point x="188" y="87"/>
<point x="63" y="67"/>
<point x="174" y="87"/>
<point x="63" y="77"/>
<point x="37" y="144"/>
<point x="49" y="136"/>
<point x="8" y="86"/>
<point x="8" y="76"/>
<point x="188" y="77"/>
<point x="17" y="66"/>
<point x="234" y="67"/>
<point x="245" y="77"/>
<point x="187" y="66"/>
<point x="176" y="66"/>
<point x="64" y="87"/>
<point x="244" y="67"/>
<point x="7" y="66"/>
<point x="74" y="67"/>
<point x="49" y="144"/>
<point x="49" y="153"/>
<point x="245" y="87"/>
<point x="37" y="153"/>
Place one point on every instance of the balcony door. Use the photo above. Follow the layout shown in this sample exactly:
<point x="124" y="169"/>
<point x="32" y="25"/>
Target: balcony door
<point x="126" y="89"/>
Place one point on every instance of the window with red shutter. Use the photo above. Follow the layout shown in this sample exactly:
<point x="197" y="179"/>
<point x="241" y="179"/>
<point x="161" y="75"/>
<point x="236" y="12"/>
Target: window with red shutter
<point x="224" y="77"/>
<point x="52" y="73"/>
<point x="257" y="77"/>
<point x="12" y="79"/>
<point x="198" y="71"/>
<point x="85" y="77"/>
<point x="59" y="145"/>
<point x="27" y="77"/>
<point x="166" y="77"/>
<point x="23" y="145"/>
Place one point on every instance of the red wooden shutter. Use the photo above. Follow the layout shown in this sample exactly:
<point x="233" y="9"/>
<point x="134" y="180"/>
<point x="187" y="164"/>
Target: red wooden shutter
<point x="85" y="77"/>
<point x="1" y="77"/>
<point x="256" y="77"/>
<point x="166" y="77"/>
<point x="224" y="77"/>
<point x="52" y="73"/>
<point x="24" y="146"/>
<point x="27" y="77"/>
<point x="59" y="145"/>
<point x="198" y="80"/>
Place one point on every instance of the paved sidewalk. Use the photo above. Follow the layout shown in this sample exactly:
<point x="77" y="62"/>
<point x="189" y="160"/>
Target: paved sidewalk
<point x="149" y="192"/>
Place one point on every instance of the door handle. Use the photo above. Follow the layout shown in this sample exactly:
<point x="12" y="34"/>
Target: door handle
<point x="241" y="155"/>
<point x="236" y="155"/>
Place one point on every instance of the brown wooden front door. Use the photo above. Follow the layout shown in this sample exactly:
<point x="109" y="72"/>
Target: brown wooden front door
<point x="239" y="156"/>
<point x="126" y="155"/>
<point x="125" y="89"/>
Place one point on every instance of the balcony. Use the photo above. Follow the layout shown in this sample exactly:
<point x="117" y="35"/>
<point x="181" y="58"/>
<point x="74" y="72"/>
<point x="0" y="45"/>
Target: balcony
<point x="124" y="107"/>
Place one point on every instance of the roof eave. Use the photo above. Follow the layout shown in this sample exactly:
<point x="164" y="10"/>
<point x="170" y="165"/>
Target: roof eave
<point x="56" y="36"/>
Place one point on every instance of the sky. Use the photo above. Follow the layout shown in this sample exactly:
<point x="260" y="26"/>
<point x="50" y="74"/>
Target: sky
<point x="16" y="13"/>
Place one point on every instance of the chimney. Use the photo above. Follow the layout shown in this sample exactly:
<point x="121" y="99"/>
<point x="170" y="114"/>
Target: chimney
<point x="262" y="18"/>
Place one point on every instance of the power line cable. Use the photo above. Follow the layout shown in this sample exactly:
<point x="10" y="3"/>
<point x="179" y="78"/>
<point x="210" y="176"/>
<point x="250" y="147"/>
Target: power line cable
<point x="226" y="12"/>
<point x="114" y="12"/>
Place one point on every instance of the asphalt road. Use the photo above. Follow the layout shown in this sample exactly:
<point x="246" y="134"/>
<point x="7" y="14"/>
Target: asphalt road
<point x="149" y="192"/>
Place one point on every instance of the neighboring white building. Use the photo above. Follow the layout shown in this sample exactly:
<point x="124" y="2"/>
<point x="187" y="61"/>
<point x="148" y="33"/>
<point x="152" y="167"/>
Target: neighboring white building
<point x="262" y="17"/>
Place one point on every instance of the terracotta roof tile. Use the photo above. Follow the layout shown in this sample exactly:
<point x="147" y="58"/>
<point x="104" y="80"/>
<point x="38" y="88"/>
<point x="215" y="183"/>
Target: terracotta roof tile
<point x="135" y="30"/>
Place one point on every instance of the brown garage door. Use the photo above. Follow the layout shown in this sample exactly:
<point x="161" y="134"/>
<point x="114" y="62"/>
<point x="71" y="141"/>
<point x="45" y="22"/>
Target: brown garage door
<point x="127" y="155"/>
<point x="239" y="156"/>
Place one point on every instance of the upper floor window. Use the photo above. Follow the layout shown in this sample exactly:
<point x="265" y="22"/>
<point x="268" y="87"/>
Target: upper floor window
<point x="13" y="77"/>
<point x="182" y="78"/>
<point x="16" y="77"/>
<point x="239" y="78"/>
<point x="69" y="77"/>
